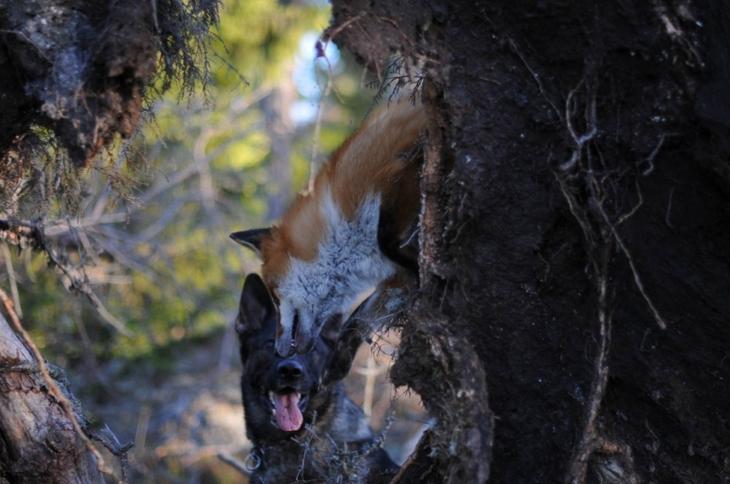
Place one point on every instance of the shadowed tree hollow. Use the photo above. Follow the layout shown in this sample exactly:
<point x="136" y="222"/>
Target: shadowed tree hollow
<point x="571" y="324"/>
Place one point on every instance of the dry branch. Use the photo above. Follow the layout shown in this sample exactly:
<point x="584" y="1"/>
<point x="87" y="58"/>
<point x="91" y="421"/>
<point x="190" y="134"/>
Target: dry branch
<point x="233" y="462"/>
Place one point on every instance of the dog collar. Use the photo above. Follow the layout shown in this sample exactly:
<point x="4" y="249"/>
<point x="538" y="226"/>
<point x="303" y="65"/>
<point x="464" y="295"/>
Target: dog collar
<point x="254" y="459"/>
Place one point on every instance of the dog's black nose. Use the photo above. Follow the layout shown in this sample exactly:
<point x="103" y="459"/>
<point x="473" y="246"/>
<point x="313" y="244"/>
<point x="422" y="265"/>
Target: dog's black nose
<point x="290" y="369"/>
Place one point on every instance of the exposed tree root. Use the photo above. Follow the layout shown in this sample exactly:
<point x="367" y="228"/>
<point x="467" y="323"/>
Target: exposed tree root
<point x="446" y="371"/>
<point x="583" y="188"/>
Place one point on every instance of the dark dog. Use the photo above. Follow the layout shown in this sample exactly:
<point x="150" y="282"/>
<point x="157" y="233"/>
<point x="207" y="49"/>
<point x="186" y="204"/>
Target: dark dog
<point x="298" y="417"/>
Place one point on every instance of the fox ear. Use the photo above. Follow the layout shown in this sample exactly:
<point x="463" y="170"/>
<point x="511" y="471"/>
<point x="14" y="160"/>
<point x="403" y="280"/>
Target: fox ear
<point x="256" y="305"/>
<point x="251" y="238"/>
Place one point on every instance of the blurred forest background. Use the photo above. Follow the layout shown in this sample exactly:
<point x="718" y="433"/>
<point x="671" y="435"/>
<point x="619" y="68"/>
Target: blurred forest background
<point x="155" y="358"/>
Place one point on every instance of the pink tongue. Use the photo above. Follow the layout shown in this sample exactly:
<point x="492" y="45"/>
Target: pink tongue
<point x="288" y="415"/>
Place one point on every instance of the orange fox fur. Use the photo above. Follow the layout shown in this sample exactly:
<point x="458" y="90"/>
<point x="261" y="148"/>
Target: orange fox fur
<point x="374" y="169"/>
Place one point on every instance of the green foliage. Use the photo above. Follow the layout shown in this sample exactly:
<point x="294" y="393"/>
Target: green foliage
<point x="175" y="276"/>
<point x="260" y="37"/>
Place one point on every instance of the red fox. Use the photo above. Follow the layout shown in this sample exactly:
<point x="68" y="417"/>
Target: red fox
<point x="346" y="235"/>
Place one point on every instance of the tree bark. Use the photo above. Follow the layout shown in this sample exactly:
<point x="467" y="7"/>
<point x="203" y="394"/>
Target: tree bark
<point x="82" y="68"/>
<point x="38" y="442"/>
<point x="575" y="240"/>
<point x="76" y="67"/>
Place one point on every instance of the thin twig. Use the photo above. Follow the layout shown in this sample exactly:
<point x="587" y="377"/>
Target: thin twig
<point x="636" y="207"/>
<point x="635" y="272"/>
<point x="535" y="77"/>
<point x="341" y="27"/>
<point x="32" y="234"/>
<point x="233" y="462"/>
<point x="313" y="165"/>
<point x="590" y="438"/>
<point x="11" y="278"/>
<point x="649" y="161"/>
<point x="81" y="284"/>
<point x="110" y="441"/>
<point x="579" y="140"/>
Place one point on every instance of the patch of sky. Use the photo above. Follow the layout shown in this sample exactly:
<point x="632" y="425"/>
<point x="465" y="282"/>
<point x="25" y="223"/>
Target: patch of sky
<point x="310" y="75"/>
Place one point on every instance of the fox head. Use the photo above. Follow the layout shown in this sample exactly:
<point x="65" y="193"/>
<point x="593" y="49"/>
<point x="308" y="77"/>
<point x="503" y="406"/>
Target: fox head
<point x="327" y="251"/>
<point x="316" y="283"/>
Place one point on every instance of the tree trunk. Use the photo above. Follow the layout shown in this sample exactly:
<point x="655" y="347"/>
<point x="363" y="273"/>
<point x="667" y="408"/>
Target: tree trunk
<point x="38" y="442"/>
<point x="574" y="256"/>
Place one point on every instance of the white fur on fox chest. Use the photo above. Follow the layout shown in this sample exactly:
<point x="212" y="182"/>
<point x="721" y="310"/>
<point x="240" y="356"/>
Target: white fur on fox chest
<point x="348" y="263"/>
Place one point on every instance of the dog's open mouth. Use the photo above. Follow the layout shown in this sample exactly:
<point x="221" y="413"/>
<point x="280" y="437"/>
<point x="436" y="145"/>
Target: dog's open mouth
<point x="287" y="407"/>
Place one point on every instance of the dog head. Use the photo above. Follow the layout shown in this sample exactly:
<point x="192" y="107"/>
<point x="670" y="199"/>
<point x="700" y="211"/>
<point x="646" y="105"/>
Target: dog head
<point x="280" y="394"/>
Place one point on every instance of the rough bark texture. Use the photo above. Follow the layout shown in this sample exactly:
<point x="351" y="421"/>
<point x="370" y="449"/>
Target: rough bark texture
<point x="575" y="244"/>
<point x="76" y="68"/>
<point x="81" y="68"/>
<point x="38" y="442"/>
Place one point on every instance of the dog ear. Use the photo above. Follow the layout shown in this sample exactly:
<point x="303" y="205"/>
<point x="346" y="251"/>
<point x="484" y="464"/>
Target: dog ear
<point x="346" y="346"/>
<point x="251" y="238"/>
<point x="256" y="305"/>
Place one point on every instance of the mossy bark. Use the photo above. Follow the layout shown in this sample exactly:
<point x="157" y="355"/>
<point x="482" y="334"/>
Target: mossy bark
<point x="77" y="67"/>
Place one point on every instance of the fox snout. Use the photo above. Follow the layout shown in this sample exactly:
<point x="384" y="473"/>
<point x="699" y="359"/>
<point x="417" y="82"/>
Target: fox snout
<point x="288" y="344"/>
<point x="295" y="331"/>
